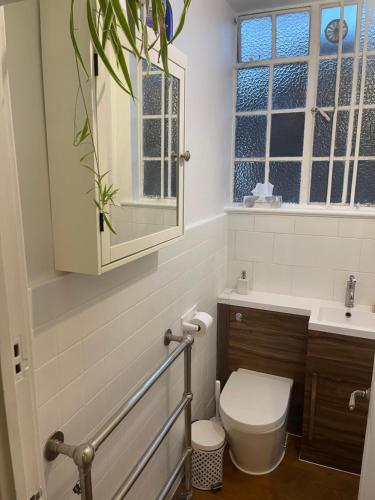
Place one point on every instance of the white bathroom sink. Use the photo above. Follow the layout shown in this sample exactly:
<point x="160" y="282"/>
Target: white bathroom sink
<point x="355" y="322"/>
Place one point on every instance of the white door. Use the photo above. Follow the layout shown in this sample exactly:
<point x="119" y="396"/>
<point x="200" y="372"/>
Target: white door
<point x="18" y="430"/>
<point x="367" y="484"/>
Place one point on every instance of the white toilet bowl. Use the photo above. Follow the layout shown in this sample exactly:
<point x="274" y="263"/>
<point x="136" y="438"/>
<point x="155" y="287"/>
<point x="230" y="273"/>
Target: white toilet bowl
<point x="254" y="409"/>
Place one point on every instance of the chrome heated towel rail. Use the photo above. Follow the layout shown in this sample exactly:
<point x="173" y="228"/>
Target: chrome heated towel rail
<point x="83" y="454"/>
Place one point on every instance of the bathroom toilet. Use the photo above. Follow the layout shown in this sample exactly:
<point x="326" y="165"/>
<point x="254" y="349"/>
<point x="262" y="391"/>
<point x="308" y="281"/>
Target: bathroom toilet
<point x="254" y="410"/>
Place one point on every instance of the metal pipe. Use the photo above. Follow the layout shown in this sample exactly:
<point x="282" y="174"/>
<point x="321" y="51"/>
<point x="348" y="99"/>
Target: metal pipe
<point x="187" y="384"/>
<point x="174" y="475"/>
<point x="85" y="482"/>
<point x="119" y="416"/>
<point x="152" y="448"/>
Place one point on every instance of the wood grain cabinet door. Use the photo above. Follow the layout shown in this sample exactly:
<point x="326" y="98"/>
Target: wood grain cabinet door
<point x="333" y="435"/>
<point x="268" y="342"/>
<point x="336" y="366"/>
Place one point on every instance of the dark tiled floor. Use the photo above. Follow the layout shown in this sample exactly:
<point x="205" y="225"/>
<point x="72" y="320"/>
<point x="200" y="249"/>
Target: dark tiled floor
<point x="292" y="480"/>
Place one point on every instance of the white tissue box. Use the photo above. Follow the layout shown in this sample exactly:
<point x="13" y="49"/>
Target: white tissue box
<point x="262" y="201"/>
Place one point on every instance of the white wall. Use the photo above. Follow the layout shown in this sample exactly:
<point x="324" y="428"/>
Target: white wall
<point x="90" y="355"/>
<point x="96" y="338"/>
<point x="208" y="41"/>
<point x="303" y="255"/>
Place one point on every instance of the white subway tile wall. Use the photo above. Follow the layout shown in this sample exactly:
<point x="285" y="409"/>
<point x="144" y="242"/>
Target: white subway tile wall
<point x="91" y="357"/>
<point x="302" y="255"/>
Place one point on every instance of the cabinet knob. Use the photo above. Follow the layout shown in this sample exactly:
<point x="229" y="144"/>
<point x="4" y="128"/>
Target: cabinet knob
<point x="238" y="317"/>
<point x="186" y="156"/>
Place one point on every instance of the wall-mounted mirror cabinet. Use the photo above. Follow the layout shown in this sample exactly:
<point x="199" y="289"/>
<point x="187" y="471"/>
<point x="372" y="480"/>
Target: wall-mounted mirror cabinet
<point x="139" y="142"/>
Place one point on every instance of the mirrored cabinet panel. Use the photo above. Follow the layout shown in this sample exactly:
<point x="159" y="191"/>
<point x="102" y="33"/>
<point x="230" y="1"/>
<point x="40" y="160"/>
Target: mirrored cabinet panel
<point x="139" y="143"/>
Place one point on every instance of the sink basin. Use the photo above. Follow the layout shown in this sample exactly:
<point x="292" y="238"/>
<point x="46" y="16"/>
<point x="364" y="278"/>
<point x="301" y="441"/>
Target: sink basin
<point x="355" y="322"/>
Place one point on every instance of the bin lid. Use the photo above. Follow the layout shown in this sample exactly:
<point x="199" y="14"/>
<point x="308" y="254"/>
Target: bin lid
<point x="207" y="435"/>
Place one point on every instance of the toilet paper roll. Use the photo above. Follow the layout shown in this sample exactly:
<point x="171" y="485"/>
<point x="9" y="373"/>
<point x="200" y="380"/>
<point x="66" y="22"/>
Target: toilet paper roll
<point x="204" y="321"/>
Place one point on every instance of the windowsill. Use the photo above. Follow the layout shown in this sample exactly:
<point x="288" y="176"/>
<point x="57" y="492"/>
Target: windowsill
<point x="171" y="204"/>
<point x="364" y="212"/>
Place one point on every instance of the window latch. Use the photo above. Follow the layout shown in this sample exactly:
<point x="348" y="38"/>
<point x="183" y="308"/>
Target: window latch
<point x="315" y="110"/>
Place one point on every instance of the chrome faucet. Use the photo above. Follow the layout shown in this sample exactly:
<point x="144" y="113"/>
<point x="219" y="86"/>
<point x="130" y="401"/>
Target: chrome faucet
<point x="350" y="291"/>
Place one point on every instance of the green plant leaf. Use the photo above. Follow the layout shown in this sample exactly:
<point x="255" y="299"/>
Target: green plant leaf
<point x="121" y="60"/>
<point x="74" y="40"/>
<point x="109" y="225"/>
<point x="108" y="20"/>
<point x="133" y="7"/>
<point x="82" y="134"/>
<point x="99" y="48"/>
<point x="120" y="16"/>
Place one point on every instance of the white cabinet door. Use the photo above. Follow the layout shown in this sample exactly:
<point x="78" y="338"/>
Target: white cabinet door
<point x="140" y="142"/>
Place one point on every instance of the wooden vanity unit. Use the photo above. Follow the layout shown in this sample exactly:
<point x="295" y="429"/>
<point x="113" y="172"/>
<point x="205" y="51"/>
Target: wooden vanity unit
<point x="336" y="365"/>
<point x="268" y="342"/>
<point x="326" y="369"/>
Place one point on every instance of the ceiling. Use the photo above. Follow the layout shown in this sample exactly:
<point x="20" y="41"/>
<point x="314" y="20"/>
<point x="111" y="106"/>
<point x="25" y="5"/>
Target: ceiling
<point x="242" y="6"/>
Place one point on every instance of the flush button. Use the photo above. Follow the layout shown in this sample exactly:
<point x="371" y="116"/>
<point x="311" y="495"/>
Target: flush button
<point x="238" y="317"/>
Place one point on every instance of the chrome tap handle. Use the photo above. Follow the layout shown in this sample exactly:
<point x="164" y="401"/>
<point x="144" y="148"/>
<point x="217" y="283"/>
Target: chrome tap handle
<point x="358" y="394"/>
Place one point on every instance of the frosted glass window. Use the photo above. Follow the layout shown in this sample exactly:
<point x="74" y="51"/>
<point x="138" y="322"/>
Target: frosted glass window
<point x="256" y="39"/>
<point x="287" y="131"/>
<point x="319" y="181"/>
<point x="346" y="81"/>
<point x="371" y="29"/>
<point x="350" y="180"/>
<point x="173" y="148"/>
<point x="354" y="137"/>
<point x="272" y="134"/>
<point x="171" y="94"/>
<point x="252" y="89"/>
<point x="250" y="136"/>
<point x="152" y="94"/>
<point x="152" y="138"/>
<point x="337" y="181"/>
<point x="292" y="34"/>
<point x="365" y="186"/>
<point x="322" y="135"/>
<point x="173" y="179"/>
<point x="325" y="96"/>
<point x="341" y="133"/>
<point x="286" y="178"/>
<point x="152" y="178"/>
<point x="289" y="86"/>
<point x="246" y="177"/>
<point x="369" y="95"/>
<point x="367" y="144"/>
<point x="329" y="31"/>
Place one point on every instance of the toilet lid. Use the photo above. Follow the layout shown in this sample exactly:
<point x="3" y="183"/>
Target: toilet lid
<point x="255" y="399"/>
<point x="207" y="435"/>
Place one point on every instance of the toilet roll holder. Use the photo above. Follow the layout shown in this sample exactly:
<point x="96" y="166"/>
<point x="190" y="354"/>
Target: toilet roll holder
<point x="187" y="326"/>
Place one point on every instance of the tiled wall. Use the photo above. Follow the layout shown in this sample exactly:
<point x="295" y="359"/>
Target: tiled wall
<point x="303" y="255"/>
<point x="96" y="339"/>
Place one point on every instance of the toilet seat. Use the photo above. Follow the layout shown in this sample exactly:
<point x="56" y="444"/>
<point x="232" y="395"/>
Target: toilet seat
<point x="255" y="402"/>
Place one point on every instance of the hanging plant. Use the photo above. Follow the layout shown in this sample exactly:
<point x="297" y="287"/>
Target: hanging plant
<point x="109" y="22"/>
